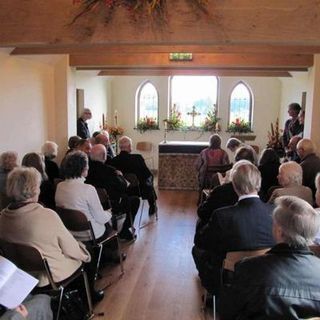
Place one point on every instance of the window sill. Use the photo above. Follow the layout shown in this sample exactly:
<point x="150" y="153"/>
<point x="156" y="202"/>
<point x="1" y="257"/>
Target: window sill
<point x="244" y="136"/>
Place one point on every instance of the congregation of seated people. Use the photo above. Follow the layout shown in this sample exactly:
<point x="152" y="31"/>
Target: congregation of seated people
<point x="266" y="210"/>
<point x="32" y="194"/>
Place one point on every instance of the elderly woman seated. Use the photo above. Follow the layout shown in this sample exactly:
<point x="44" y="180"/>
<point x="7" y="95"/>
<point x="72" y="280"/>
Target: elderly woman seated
<point x="73" y="193"/>
<point x="25" y="221"/>
<point x="36" y="160"/>
<point x="50" y="152"/>
<point x="290" y="179"/>
<point x="285" y="282"/>
<point x="8" y="161"/>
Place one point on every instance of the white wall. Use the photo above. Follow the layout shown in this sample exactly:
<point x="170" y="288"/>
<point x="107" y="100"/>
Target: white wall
<point x="291" y="91"/>
<point x="267" y="97"/>
<point x="95" y="96"/>
<point x="26" y="103"/>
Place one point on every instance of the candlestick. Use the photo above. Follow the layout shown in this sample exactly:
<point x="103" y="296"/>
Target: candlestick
<point x="115" y="117"/>
<point x="165" y="125"/>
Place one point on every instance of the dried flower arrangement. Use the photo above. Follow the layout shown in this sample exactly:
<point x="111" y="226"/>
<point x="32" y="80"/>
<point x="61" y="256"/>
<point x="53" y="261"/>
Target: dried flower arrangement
<point x="274" y="137"/>
<point x="136" y="8"/>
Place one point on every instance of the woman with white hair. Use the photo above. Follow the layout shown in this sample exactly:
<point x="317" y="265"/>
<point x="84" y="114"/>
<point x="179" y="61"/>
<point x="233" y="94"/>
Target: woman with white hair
<point x="285" y="282"/>
<point x="290" y="180"/>
<point x="50" y="152"/>
<point x="25" y="221"/>
<point x="8" y="161"/>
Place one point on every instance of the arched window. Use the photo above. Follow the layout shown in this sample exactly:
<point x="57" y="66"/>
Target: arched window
<point x="240" y="104"/>
<point x="147" y="102"/>
<point x="193" y="94"/>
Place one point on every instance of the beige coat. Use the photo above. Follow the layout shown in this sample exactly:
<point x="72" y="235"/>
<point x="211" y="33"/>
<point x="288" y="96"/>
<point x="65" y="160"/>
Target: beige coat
<point x="42" y="228"/>
<point x="301" y="192"/>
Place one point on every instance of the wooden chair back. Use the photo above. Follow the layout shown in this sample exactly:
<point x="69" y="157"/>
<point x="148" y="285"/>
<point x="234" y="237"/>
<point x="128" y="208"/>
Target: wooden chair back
<point x="233" y="257"/>
<point x="144" y="146"/>
<point x="27" y="258"/>
<point x="315" y="249"/>
<point x="75" y="220"/>
<point x="104" y="198"/>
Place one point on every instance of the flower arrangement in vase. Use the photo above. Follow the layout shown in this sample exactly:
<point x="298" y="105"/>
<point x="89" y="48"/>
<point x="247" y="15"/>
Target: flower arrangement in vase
<point x="239" y="126"/>
<point x="211" y="122"/>
<point x="275" y="138"/>
<point x="174" y="122"/>
<point x="147" y="123"/>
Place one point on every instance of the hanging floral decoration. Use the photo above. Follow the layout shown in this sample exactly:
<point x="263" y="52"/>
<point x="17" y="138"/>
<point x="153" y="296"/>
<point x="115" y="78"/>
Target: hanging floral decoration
<point x="137" y="9"/>
<point x="239" y="126"/>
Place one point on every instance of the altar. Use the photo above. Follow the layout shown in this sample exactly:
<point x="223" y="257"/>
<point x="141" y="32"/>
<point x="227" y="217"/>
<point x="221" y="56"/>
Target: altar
<point x="177" y="164"/>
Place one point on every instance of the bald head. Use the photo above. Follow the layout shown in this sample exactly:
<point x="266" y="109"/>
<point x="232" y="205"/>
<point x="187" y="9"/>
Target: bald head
<point x="304" y="148"/>
<point x="290" y="174"/>
<point x="102" y="139"/>
<point x="292" y="145"/>
<point x="98" y="153"/>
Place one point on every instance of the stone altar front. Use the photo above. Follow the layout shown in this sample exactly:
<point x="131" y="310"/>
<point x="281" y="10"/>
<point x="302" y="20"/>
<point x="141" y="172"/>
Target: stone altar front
<point x="177" y="164"/>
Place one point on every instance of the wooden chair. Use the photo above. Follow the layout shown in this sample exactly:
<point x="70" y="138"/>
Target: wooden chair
<point x="146" y="148"/>
<point x="315" y="249"/>
<point x="134" y="183"/>
<point x="75" y="220"/>
<point x="232" y="258"/>
<point x="104" y="198"/>
<point x="30" y="260"/>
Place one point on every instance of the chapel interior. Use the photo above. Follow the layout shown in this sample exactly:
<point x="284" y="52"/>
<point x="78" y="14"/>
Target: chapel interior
<point x="46" y="55"/>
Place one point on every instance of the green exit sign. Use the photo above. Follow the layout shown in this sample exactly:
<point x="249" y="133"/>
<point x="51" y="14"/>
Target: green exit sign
<point x="180" y="56"/>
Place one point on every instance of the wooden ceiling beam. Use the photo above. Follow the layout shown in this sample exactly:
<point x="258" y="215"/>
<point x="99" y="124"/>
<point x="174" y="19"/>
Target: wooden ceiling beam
<point x="199" y="60"/>
<point x="154" y="48"/>
<point x="186" y="72"/>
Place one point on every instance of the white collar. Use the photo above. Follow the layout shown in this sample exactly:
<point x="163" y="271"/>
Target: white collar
<point x="246" y="196"/>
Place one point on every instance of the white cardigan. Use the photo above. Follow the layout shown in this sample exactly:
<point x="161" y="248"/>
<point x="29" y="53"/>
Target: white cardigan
<point x="75" y="194"/>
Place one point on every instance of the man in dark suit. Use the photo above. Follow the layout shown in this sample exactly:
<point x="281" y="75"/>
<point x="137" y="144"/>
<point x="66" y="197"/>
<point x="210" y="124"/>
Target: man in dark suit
<point x="104" y="138"/>
<point x="310" y="163"/>
<point x="82" y="126"/>
<point x="127" y="162"/>
<point x="103" y="176"/>
<point x="246" y="225"/>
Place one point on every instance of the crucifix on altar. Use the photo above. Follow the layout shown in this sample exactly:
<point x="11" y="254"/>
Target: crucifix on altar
<point x="193" y="114"/>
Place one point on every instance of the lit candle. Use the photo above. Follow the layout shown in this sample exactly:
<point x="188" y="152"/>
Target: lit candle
<point x="165" y="125"/>
<point x="116" y="117"/>
<point x="217" y="127"/>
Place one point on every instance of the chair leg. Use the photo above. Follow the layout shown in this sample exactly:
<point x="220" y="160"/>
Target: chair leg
<point x="133" y="229"/>
<point x="98" y="261"/>
<point x="120" y="255"/>
<point x="141" y="214"/>
<point x="60" y="302"/>
<point x="214" y="307"/>
<point x="87" y="287"/>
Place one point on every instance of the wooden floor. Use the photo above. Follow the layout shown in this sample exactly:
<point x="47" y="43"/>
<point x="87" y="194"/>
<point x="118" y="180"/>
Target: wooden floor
<point x="160" y="280"/>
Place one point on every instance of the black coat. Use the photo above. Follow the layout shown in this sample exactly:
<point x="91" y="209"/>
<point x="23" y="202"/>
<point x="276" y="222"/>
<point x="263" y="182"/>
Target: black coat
<point x="310" y="167"/>
<point x="103" y="176"/>
<point x="220" y="196"/>
<point x="244" y="226"/>
<point x="82" y="129"/>
<point x="282" y="284"/>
